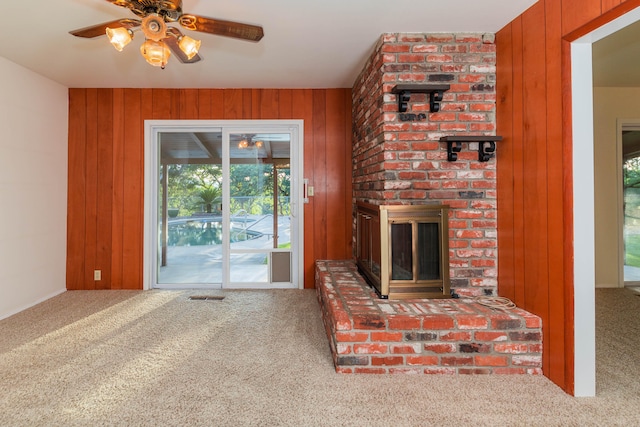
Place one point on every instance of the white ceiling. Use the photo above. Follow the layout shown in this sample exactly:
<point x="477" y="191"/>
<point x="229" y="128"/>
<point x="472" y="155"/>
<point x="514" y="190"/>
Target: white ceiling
<point x="307" y="44"/>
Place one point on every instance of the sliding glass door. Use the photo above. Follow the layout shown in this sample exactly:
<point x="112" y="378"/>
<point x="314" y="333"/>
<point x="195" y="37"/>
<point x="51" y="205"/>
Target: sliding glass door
<point x="225" y="205"/>
<point x="189" y="208"/>
<point x="260" y="207"/>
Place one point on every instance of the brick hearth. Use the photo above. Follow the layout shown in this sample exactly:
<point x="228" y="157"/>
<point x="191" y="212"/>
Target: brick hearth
<point x="432" y="336"/>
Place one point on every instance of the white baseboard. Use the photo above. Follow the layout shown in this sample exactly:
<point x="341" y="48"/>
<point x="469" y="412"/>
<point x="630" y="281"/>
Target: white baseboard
<point x="43" y="299"/>
<point x="608" y="285"/>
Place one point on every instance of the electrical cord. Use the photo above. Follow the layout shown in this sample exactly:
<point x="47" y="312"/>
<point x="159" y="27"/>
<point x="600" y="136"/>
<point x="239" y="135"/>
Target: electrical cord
<point x="498" y="303"/>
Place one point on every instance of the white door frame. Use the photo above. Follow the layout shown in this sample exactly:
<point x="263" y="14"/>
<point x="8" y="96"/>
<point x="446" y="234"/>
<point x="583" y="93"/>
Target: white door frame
<point x="583" y="203"/>
<point x="153" y="127"/>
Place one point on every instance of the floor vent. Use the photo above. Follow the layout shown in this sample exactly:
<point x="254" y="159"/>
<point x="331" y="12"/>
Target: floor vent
<point x="206" y="298"/>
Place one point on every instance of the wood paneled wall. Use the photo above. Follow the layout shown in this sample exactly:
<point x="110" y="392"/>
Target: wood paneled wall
<point x="106" y="170"/>
<point x="534" y="164"/>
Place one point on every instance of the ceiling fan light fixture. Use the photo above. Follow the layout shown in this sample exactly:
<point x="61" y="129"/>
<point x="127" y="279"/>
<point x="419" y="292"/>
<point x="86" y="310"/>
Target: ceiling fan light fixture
<point x="156" y="53"/>
<point x="162" y="39"/>
<point x="119" y="37"/>
<point x="154" y="28"/>
<point x="248" y="142"/>
<point x="189" y="46"/>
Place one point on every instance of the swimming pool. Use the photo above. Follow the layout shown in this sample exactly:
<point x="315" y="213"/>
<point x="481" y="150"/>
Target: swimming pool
<point x="207" y="231"/>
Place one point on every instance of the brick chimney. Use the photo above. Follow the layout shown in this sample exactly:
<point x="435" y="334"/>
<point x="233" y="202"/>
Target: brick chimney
<point x="399" y="159"/>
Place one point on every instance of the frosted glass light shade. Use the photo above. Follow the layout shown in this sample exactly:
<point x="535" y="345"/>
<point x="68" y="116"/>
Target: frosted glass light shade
<point x="119" y="37"/>
<point x="156" y="53"/>
<point x="189" y="46"/>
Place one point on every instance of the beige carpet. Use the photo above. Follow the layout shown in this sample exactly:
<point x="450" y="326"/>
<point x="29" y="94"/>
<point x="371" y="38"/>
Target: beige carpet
<point x="261" y="358"/>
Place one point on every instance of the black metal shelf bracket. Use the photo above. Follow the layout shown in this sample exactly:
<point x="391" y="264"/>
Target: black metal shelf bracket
<point x="486" y="150"/>
<point x="486" y="146"/>
<point x="453" y="148"/>
<point x="435" y="92"/>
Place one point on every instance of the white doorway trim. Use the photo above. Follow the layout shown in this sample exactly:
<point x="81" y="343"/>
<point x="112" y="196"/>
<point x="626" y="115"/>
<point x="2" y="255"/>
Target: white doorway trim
<point x="583" y="203"/>
<point x="151" y="127"/>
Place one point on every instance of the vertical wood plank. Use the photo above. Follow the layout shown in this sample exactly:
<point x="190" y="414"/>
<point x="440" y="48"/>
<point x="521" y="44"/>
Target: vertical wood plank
<point x="233" y="104"/>
<point x="349" y="201"/>
<point x="319" y="167"/>
<point x="175" y="97"/>
<point x="303" y="107"/>
<point x="335" y="184"/>
<point x="518" y="164"/>
<point x="188" y="104"/>
<point x="555" y="191"/>
<point x="117" y="202"/>
<point x="285" y="110"/>
<point x="204" y="104"/>
<point x="104" y="186"/>
<point x="504" y="159"/>
<point x="269" y="104"/>
<point x="133" y="165"/>
<point x="536" y="232"/>
<point x="217" y="104"/>
<point x="256" y="103"/>
<point x="577" y="13"/>
<point x="91" y="188"/>
<point x="162" y="103"/>
<point x="146" y="106"/>
<point x="76" y="194"/>
<point x="247" y="104"/>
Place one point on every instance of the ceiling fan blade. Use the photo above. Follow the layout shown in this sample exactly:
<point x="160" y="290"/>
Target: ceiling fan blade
<point x="171" y="9"/>
<point x="172" y="42"/>
<point x="222" y="28"/>
<point x="100" y="29"/>
<point x="121" y="3"/>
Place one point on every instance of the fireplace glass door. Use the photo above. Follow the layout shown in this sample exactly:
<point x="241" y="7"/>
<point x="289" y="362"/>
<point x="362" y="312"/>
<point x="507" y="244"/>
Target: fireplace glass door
<point x="429" y="252"/>
<point x="403" y="251"/>
<point x="415" y="259"/>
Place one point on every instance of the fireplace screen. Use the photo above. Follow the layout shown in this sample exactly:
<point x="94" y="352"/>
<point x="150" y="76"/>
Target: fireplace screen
<point x="403" y="250"/>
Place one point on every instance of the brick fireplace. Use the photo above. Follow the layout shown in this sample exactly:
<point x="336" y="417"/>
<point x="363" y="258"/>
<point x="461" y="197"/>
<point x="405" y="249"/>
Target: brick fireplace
<point x="398" y="157"/>
<point x="415" y="149"/>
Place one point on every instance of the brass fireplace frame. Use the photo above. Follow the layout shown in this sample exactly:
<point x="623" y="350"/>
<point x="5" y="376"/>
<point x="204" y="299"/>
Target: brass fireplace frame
<point x="374" y="253"/>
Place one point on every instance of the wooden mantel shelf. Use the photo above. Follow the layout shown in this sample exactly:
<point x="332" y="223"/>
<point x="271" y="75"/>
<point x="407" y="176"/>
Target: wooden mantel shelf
<point x="486" y="145"/>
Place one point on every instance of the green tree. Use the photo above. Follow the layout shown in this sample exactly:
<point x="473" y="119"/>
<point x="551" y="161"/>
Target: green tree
<point x="251" y="185"/>
<point x="284" y="190"/>
<point x="631" y="169"/>
<point x="191" y="186"/>
<point x="208" y="195"/>
<point x="186" y="181"/>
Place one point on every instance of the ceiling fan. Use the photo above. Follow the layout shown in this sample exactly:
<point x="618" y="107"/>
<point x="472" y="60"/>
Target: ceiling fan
<point x="161" y="39"/>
